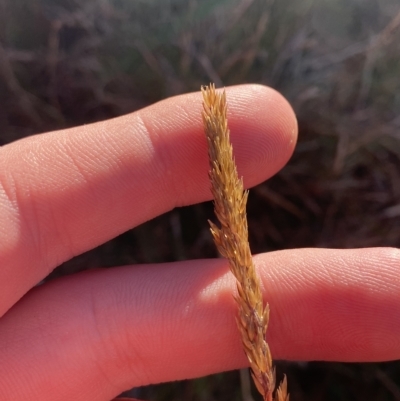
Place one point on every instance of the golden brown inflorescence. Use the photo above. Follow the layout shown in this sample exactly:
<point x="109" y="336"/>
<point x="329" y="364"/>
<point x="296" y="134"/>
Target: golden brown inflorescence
<point x="231" y="240"/>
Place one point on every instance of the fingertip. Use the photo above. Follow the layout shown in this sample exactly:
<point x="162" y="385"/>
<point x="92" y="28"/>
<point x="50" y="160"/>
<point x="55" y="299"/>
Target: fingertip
<point x="338" y="302"/>
<point x="264" y="131"/>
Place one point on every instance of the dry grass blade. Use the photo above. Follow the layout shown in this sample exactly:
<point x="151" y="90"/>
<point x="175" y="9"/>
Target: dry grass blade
<point x="232" y="242"/>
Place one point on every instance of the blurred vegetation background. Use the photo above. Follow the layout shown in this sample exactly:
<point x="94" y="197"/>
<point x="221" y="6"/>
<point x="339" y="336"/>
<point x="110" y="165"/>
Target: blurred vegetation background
<point x="66" y="62"/>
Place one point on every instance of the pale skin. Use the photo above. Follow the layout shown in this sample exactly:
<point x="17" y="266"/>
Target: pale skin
<point x="91" y="336"/>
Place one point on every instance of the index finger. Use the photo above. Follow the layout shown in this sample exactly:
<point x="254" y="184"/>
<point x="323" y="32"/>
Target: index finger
<point x="68" y="191"/>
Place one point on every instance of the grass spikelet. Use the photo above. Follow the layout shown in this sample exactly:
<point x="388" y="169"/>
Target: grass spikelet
<point x="231" y="239"/>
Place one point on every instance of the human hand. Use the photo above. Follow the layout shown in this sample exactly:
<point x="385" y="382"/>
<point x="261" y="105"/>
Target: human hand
<point x="92" y="335"/>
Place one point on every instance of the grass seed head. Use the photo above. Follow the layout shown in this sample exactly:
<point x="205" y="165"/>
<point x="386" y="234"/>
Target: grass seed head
<point x="231" y="239"/>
